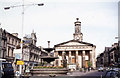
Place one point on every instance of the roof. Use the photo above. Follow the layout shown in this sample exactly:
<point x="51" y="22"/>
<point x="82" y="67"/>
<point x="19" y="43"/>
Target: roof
<point x="12" y="35"/>
<point x="88" y="44"/>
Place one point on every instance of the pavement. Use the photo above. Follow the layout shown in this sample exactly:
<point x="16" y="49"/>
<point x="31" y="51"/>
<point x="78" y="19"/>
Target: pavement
<point x="74" y="74"/>
<point x="78" y="73"/>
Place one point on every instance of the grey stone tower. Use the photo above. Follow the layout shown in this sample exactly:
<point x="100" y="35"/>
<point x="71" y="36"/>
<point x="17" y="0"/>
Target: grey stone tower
<point x="78" y="35"/>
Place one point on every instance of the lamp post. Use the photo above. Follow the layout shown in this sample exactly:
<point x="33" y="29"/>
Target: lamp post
<point x="23" y="6"/>
<point x="0" y="41"/>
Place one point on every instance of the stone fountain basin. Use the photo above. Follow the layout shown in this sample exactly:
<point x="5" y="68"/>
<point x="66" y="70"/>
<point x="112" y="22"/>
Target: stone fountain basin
<point x="48" y="71"/>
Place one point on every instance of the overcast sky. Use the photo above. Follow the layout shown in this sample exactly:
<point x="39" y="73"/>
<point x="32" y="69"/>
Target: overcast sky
<point x="55" y="20"/>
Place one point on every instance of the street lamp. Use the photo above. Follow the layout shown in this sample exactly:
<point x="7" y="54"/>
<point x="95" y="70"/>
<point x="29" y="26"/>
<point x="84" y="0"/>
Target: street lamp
<point x="6" y="8"/>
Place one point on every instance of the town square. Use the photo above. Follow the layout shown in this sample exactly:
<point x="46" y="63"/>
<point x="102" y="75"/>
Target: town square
<point x="68" y="39"/>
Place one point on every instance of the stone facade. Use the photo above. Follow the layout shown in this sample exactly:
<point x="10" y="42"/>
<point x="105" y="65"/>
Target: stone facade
<point x="109" y="57"/>
<point x="100" y="60"/>
<point x="78" y="53"/>
<point x="12" y="42"/>
<point x="3" y="43"/>
<point x="8" y="42"/>
<point x="114" y="54"/>
<point x="106" y="56"/>
<point x="32" y="53"/>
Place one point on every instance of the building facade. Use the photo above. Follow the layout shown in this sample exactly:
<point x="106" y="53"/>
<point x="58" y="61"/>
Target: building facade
<point x="109" y="57"/>
<point x="114" y="54"/>
<point x="32" y="53"/>
<point x="78" y="53"/>
<point x="106" y="56"/>
<point x="10" y="45"/>
<point x="3" y="43"/>
<point x="12" y="42"/>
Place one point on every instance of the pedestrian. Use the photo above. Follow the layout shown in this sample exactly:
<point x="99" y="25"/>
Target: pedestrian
<point x="84" y="70"/>
<point x="88" y="69"/>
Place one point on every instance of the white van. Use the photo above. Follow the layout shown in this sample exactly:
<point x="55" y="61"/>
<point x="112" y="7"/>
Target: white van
<point x="72" y="67"/>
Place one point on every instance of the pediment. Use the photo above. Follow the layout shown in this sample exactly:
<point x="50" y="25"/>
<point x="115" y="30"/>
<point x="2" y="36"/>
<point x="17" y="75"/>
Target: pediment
<point x="74" y="43"/>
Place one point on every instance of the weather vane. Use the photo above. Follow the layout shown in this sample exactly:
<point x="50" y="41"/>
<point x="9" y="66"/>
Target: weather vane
<point x="77" y="19"/>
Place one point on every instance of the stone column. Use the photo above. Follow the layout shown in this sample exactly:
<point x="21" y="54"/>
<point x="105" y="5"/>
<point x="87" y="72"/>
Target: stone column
<point x="63" y="54"/>
<point x="83" y="58"/>
<point x="77" y="59"/>
<point x="56" y="60"/>
<point x="69" y="57"/>
<point x="91" y="56"/>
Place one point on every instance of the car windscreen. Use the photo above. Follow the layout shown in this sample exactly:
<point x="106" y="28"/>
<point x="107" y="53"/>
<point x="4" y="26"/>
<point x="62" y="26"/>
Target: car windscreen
<point x="7" y="65"/>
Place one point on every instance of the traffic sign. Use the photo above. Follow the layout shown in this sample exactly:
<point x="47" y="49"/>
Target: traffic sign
<point x="20" y="62"/>
<point x="17" y="51"/>
<point x="18" y="55"/>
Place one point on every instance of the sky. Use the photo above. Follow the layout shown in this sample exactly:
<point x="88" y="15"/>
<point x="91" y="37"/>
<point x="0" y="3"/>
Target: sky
<point x="54" y="21"/>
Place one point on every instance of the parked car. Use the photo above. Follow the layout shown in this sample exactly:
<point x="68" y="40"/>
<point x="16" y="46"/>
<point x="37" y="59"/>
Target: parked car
<point x="100" y="69"/>
<point x="107" y="68"/>
<point x="116" y="69"/>
<point x="7" y="70"/>
<point x="112" y="74"/>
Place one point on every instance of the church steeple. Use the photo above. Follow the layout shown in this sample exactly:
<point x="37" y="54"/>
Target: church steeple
<point x="78" y="35"/>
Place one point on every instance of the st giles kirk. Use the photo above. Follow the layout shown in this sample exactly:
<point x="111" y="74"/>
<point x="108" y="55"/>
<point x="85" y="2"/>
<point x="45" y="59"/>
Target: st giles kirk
<point x="78" y="53"/>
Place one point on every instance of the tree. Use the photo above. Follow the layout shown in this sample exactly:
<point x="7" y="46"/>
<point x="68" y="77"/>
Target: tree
<point x="89" y="63"/>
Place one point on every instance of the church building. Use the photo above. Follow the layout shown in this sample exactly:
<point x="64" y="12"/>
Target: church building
<point x="77" y="52"/>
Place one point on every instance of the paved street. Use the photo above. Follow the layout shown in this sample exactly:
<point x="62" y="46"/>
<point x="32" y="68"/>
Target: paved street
<point x="78" y="74"/>
<point x="90" y="73"/>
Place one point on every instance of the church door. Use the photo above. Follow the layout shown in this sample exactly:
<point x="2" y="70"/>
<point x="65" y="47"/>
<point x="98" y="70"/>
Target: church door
<point x="73" y="60"/>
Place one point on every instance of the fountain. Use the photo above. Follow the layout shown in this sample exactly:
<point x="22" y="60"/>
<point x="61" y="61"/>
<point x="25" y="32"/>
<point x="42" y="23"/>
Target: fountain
<point x="49" y="70"/>
<point x="49" y="58"/>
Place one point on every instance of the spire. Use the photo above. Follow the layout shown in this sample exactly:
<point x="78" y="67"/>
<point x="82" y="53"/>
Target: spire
<point x="33" y="31"/>
<point x="77" y="35"/>
<point x="77" y="19"/>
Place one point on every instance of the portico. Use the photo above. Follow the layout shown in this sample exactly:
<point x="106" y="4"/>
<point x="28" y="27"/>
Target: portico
<point x="77" y="54"/>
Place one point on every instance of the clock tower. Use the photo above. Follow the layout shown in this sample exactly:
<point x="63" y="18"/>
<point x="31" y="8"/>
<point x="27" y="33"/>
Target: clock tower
<point x="78" y="35"/>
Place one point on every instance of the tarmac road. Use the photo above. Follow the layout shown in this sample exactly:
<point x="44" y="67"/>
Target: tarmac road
<point x="78" y="74"/>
